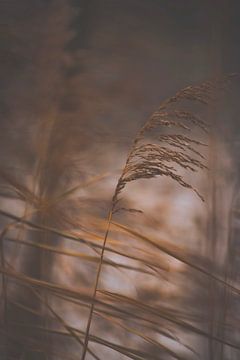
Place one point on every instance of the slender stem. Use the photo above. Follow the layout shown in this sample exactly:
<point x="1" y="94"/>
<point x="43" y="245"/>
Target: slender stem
<point x="96" y="286"/>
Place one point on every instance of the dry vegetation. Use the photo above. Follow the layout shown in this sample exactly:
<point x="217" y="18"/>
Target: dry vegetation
<point x="101" y="263"/>
<point x="53" y="255"/>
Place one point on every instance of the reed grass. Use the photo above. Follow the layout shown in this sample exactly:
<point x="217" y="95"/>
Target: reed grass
<point x="169" y="145"/>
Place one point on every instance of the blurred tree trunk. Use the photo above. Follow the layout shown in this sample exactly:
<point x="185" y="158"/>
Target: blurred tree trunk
<point x="39" y="51"/>
<point x="218" y="243"/>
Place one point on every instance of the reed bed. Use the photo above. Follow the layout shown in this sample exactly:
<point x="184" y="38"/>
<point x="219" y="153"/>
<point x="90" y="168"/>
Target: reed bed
<point x="77" y="283"/>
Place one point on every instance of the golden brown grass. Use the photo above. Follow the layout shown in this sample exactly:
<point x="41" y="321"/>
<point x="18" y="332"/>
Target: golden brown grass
<point x="137" y="327"/>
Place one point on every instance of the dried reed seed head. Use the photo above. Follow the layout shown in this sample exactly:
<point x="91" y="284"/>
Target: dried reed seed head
<point x="148" y="160"/>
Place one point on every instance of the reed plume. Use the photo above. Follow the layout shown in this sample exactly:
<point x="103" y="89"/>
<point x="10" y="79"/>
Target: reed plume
<point x="165" y="146"/>
<point x="172" y="150"/>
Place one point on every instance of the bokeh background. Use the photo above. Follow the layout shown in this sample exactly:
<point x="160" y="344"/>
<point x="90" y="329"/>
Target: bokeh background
<point x="78" y="79"/>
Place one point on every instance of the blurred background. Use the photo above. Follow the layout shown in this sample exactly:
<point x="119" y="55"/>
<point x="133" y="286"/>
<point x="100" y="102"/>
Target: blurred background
<point x="78" y="80"/>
